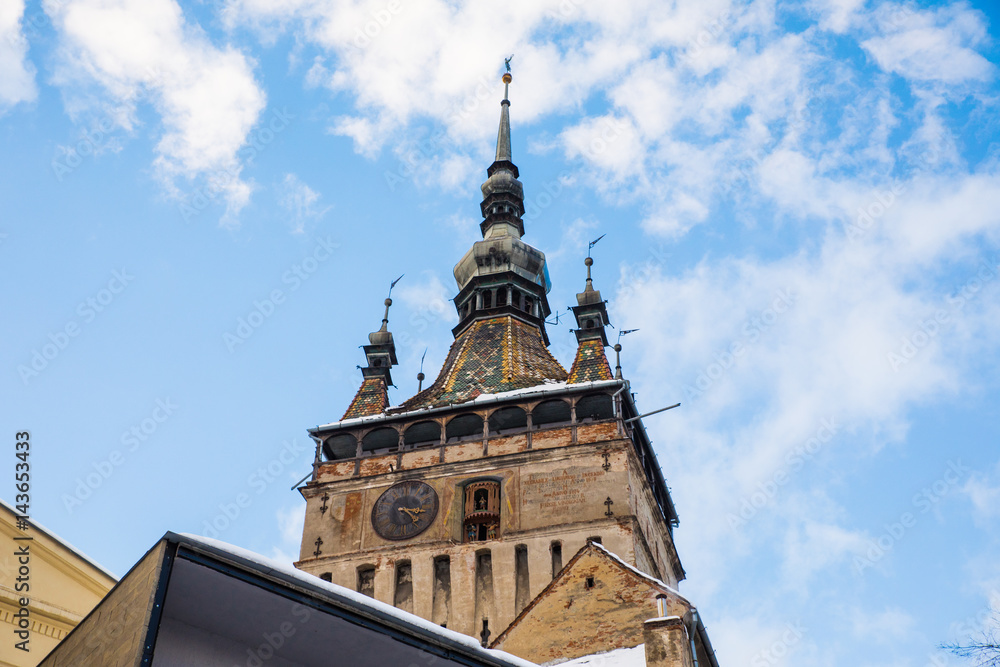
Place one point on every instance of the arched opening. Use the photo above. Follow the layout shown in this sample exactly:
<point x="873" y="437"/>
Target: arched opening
<point x="487" y="299"/>
<point x="506" y="420"/>
<point x="594" y="407"/>
<point x="502" y="297"/>
<point x="342" y="446"/>
<point x="380" y="441"/>
<point x="550" y="413"/>
<point x="464" y="426"/>
<point x="422" y="434"/>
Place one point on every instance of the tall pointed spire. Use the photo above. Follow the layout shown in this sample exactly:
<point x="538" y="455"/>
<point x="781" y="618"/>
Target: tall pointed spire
<point x="500" y="340"/>
<point x="503" y="134"/>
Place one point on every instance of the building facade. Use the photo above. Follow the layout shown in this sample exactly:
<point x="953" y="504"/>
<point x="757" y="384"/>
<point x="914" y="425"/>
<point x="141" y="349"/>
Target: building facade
<point x="464" y="503"/>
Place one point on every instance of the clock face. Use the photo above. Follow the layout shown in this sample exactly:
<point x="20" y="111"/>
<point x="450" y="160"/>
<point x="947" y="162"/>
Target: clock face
<point x="405" y="510"/>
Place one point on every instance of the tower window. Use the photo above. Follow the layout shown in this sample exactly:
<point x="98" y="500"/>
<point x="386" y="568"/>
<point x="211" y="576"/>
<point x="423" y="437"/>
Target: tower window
<point x="366" y="580"/>
<point x="487" y="299"/>
<point x="502" y="296"/>
<point x="326" y="576"/>
<point x="556" y="558"/>
<point x="482" y="511"/>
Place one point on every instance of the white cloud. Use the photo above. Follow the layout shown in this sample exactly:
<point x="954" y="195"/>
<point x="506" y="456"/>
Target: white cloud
<point x="984" y="495"/>
<point x="17" y="74"/>
<point x="290" y="525"/>
<point x="145" y="50"/>
<point x="427" y="299"/>
<point x="932" y="46"/>
<point x="300" y="201"/>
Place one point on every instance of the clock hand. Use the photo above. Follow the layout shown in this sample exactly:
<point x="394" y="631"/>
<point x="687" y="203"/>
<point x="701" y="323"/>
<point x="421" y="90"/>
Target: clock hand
<point x="412" y="511"/>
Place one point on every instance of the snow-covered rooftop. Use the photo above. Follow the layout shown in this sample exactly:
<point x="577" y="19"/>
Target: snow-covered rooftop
<point x="546" y="388"/>
<point x="272" y="567"/>
<point x="622" y="657"/>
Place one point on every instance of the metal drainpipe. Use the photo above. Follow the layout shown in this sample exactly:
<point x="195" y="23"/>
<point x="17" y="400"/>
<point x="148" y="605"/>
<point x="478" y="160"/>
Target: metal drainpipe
<point x="616" y="399"/>
<point x="691" y="633"/>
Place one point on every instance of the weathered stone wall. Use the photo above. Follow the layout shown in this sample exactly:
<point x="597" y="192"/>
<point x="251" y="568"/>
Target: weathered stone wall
<point x="555" y="491"/>
<point x="595" y="605"/>
<point x="113" y="633"/>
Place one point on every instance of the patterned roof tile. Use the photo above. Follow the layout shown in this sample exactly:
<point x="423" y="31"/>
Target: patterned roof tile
<point x="493" y="355"/>
<point x="590" y="364"/>
<point x="372" y="399"/>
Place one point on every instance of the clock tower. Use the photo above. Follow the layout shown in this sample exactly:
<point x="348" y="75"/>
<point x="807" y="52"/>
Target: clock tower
<point x="464" y="503"/>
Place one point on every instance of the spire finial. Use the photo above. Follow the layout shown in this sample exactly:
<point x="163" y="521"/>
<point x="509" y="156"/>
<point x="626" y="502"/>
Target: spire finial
<point x="388" y="302"/>
<point x="618" y="350"/>
<point x="590" y="262"/>
<point x="420" y="375"/>
<point x="503" y="135"/>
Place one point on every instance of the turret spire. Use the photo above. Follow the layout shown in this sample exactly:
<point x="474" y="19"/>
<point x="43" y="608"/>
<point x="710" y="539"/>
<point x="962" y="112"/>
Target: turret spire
<point x="591" y="313"/>
<point x="372" y="397"/>
<point x="503" y="134"/>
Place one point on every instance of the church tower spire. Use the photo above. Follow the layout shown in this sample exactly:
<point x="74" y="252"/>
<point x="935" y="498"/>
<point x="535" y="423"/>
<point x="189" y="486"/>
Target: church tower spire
<point x="591" y="313"/>
<point x="500" y="339"/>
<point x="373" y="396"/>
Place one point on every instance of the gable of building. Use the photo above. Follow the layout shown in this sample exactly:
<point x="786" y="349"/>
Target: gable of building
<point x="597" y="602"/>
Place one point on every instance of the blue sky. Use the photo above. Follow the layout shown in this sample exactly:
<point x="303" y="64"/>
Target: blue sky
<point x="801" y="206"/>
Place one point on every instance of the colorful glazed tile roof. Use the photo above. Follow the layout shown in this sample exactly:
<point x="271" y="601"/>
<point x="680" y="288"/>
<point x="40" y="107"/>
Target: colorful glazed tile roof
<point x="372" y="399"/>
<point x="493" y="355"/>
<point x="590" y="364"/>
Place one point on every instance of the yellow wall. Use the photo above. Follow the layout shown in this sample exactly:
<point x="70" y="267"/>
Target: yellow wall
<point x="64" y="588"/>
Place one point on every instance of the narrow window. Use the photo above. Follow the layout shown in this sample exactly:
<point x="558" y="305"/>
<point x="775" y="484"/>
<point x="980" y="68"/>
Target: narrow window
<point x="590" y="583"/>
<point x="556" y="558"/>
<point x="487" y="299"/>
<point x="366" y="580"/>
<point x="520" y="578"/>
<point x="442" y="591"/>
<point x="502" y="296"/>
<point x="403" y="598"/>
<point x="484" y="592"/>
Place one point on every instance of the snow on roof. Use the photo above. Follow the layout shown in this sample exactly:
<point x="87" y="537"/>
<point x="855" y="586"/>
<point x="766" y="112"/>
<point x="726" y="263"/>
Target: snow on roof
<point x="268" y="565"/>
<point x="37" y="526"/>
<point x="651" y="579"/>
<point x="547" y="387"/>
<point x="620" y="657"/>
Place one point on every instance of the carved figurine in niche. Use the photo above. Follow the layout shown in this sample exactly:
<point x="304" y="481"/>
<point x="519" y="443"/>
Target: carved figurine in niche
<point x="481" y="503"/>
<point x="491" y="531"/>
<point x="471" y="533"/>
